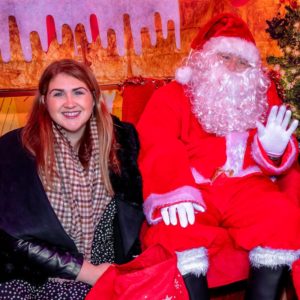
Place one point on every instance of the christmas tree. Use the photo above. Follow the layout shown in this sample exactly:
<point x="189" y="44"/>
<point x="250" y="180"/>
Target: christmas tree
<point x="286" y="68"/>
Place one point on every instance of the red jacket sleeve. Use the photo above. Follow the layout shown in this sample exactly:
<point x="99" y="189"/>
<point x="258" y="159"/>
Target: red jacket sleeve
<point x="163" y="160"/>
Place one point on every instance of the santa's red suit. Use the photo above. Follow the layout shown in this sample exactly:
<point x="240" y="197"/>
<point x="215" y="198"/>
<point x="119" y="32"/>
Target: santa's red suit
<point x="191" y="159"/>
<point x="181" y="162"/>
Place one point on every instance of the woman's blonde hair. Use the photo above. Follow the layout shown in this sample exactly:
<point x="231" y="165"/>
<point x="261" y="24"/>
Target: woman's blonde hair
<point x="37" y="135"/>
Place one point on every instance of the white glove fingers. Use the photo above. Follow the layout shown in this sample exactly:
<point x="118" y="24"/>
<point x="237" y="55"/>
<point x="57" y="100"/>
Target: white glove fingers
<point x="260" y="129"/>
<point x="198" y="207"/>
<point x="190" y="214"/>
<point x="165" y="215"/>
<point x="182" y="215"/>
<point x="280" y="115"/>
<point x="172" y="214"/>
<point x="286" y="120"/>
<point x="292" y="127"/>
<point x="272" y="115"/>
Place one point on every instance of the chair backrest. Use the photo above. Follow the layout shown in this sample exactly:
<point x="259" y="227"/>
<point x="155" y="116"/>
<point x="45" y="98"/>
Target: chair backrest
<point x="136" y="93"/>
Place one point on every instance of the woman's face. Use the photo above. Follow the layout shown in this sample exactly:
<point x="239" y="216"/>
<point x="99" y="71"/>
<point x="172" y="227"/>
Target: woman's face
<point x="70" y="105"/>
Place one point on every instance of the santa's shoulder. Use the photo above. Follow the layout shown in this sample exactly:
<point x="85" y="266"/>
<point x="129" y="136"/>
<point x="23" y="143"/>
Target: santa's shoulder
<point x="170" y="90"/>
<point x="173" y="86"/>
<point x="171" y="96"/>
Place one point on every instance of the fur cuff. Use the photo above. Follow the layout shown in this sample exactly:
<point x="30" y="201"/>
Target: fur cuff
<point x="268" y="257"/>
<point x="287" y="160"/>
<point x="194" y="261"/>
<point x="155" y="202"/>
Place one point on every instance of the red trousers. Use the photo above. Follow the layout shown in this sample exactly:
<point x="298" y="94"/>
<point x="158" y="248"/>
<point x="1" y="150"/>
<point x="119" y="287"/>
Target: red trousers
<point x="251" y="210"/>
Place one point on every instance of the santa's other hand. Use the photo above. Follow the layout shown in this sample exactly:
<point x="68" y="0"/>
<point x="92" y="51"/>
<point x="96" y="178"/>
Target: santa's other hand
<point x="184" y="211"/>
<point x="275" y="136"/>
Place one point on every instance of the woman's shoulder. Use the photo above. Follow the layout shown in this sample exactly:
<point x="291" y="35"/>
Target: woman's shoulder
<point x="121" y="124"/>
<point x="11" y="145"/>
<point x="11" y="139"/>
<point x="122" y="128"/>
<point x="126" y="134"/>
<point x="11" y="135"/>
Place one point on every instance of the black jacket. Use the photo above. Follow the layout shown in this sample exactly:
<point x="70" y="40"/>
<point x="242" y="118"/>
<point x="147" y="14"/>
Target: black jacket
<point x="33" y="243"/>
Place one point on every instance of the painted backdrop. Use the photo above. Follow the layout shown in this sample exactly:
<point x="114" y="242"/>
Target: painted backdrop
<point x="118" y="38"/>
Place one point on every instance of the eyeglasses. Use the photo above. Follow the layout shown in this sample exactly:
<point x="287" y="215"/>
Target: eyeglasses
<point x="233" y="62"/>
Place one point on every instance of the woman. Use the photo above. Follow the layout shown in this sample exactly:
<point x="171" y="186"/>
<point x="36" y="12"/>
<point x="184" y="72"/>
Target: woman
<point x="70" y="190"/>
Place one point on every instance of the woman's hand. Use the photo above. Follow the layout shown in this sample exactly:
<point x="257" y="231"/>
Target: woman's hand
<point x="90" y="273"/>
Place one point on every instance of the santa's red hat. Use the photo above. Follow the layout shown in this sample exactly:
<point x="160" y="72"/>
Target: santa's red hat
<point x="226" y="33"/>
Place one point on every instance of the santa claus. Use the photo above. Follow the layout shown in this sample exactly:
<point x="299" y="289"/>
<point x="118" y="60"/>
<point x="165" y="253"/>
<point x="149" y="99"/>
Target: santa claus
<point x="211" y="143"/>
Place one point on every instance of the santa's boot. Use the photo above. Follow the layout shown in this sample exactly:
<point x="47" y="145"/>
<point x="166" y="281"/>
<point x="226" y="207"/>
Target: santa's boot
<point x="265" y="283"/>
<point x="296" y="276"/>
<point x="193" y="265"/>
<point x="267" y="271"/>
<point x="196" y="286"/>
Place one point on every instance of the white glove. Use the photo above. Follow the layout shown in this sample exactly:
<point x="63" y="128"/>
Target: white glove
<point x="275" y="136"/>
<point x="185" y="211"/>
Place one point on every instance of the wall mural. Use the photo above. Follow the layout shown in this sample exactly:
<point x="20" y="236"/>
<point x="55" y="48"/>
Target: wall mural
<point x="117" y="38"/>
<point x="31" y="16"/>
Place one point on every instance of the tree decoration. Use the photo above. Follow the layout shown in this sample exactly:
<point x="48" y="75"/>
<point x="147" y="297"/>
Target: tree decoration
<point x="285" y="72"/>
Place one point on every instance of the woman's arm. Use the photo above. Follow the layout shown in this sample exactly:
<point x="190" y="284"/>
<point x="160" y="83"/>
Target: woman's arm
<point x="28" y="259"/>
<point x="36" y="261"/>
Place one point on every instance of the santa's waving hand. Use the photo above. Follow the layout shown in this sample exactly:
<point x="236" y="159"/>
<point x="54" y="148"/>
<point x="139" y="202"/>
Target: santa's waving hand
<point x="275" y="136"/>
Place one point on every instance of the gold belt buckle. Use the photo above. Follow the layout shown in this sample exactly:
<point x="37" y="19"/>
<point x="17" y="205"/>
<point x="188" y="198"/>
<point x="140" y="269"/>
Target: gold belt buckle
<point x="220" y="171"/>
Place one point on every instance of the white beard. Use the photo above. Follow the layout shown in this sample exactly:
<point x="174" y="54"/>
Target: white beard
<point x="225" y="101"/>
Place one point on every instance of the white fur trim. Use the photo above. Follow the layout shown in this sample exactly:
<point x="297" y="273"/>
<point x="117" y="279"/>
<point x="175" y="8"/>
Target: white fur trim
<point x="234" y="45"/>
<point x="270" y="167"/>
<point x="199" y="179"/>
<point x="268" y="257"/>
<point x="183" y="74"/>
<point x="194" y="261"/>
<point x="158" y="201"/>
